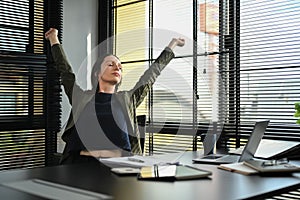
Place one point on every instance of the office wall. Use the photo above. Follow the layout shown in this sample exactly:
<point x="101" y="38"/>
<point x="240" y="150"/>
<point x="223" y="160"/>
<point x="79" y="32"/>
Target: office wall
<point x="80" y="35"/>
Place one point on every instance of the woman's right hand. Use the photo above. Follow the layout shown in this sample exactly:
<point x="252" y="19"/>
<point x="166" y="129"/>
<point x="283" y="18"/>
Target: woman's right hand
<point x="51" y="35"/>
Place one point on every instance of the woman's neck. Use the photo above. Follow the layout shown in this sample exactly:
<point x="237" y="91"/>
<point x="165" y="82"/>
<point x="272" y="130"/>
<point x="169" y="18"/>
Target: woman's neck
<point x="107" y="88"/>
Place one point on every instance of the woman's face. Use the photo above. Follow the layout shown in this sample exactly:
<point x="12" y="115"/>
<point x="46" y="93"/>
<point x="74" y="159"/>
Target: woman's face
<point x="111" y="70"/>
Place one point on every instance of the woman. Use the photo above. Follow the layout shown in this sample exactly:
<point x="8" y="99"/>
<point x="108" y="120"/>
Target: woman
<point x="103" y="120"/>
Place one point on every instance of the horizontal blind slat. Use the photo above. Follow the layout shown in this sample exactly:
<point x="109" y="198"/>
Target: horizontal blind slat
<point x="269" y="63"/>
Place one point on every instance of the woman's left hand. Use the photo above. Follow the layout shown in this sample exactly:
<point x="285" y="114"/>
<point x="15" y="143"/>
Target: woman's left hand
<point x="176" y="42"/>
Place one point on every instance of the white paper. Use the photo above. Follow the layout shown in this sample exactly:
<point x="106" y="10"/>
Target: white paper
<point x="269" y="148"/>
<point x="146" y="160"/>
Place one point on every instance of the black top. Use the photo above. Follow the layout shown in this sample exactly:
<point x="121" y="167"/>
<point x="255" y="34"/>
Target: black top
<point x="113" y="123"/>
<point x="100" y="127"/>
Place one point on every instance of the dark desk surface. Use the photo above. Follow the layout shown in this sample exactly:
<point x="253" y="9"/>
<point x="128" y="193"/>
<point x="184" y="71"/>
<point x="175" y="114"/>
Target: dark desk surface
<point x="98" y="178"/>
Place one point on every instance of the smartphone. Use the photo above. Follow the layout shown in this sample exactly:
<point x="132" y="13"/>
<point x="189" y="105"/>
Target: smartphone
<point x="126" y="170"/>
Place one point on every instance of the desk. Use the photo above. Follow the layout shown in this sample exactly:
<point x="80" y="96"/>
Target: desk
<point x="223" y="185"/>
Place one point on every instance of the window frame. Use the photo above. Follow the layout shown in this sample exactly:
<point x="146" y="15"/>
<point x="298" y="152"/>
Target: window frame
<point x="236" y="129"/>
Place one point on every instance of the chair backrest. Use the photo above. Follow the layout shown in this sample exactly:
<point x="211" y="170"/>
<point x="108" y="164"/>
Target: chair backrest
<point x="141" y="119"/>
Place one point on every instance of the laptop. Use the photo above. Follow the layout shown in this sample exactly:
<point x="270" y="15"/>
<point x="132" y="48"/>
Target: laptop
<point x="248" y="152"/>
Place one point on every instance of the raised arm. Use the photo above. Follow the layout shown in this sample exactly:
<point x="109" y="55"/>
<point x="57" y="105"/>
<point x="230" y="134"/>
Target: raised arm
<point x="51" y="35"/>
<point x="142" y="87"/>
<point x="176" y="42"/>
<point x="62" y="65"/>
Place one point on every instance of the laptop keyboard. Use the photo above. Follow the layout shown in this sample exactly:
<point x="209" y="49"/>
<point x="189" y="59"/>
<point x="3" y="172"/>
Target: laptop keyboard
<point x="229" y="158"/>
<point x="223" y="158"/>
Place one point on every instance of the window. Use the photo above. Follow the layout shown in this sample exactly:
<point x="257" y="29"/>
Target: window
<point x="246" y="66"/>
<point x="29" y="90"/>
<point x="270" y="65"/>
<point x="177" y="102"/>
<point x="260" y="71"/>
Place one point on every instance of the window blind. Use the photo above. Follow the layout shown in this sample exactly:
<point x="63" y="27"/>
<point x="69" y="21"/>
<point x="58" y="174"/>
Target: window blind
<point x="229" y="67"/>
<point x="259" y="69"/>
<point x="269" y="65"/>
<point x="14" y="25"/>
<point x="131" y="42"/>
<point x="173" y="90"/>
<point x="27" y="88"/>
<point x="170" y="107"/>
<point x="245" y="67"/>
<point x="131" y="45"/>
<point x="206" y="59"/>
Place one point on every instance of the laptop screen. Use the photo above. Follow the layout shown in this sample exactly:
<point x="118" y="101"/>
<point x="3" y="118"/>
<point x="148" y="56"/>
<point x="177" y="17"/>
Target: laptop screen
<point x="254" y="140"/>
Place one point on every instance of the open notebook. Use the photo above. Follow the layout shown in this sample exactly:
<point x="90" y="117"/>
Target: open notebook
<point x="172" y="172"/>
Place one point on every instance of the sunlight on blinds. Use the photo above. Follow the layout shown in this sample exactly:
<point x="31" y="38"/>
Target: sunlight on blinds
<point x="39" y="26"/>
<point x="131" y="32"/>
<point x="14" y="32"/>
<point x="170" y="143"/>
<point x="29" y="90"/>
<point x="131" y="40"/>
<point x="172" y="108"/>
<point x="13" y="95"/>
<point x="122" y="2"/>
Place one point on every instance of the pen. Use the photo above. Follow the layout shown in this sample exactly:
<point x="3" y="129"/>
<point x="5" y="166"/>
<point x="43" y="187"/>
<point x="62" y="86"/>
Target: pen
<point x="135" y="160"/>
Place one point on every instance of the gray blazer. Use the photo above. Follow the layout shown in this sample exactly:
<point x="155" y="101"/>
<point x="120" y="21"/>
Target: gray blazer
<point x="129" y="100"/>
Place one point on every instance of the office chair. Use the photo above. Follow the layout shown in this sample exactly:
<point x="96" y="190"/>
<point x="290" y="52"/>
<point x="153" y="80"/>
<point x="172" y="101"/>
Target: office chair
<point x="141" y="119"/>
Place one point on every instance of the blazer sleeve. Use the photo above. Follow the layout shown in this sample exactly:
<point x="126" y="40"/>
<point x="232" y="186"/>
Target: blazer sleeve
<point x="67" y="76"/>
<point x="142" y="87"/>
